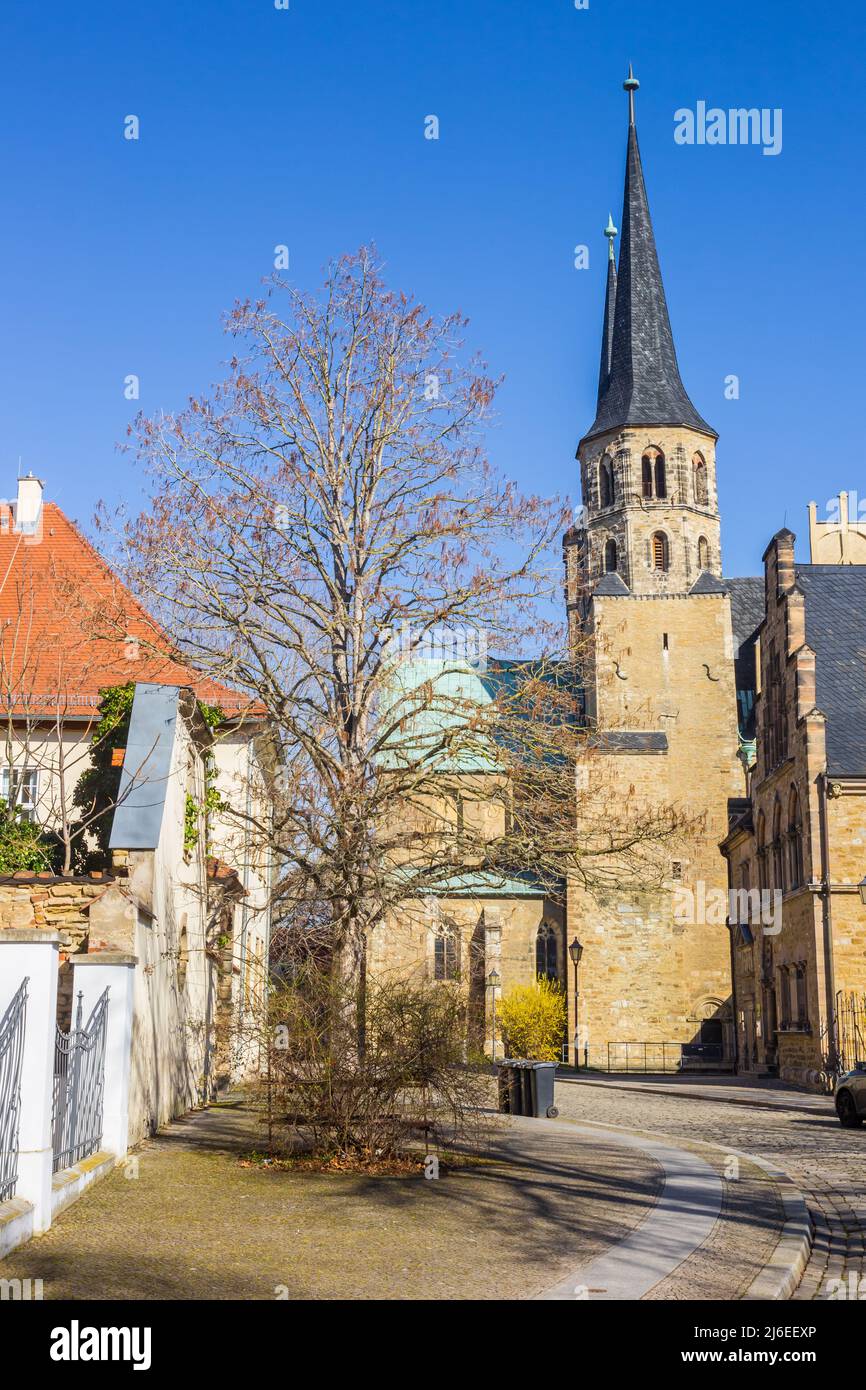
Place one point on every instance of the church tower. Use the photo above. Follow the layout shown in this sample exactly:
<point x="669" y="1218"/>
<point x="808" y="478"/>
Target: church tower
<point x="650" y="625"/>
<point x="647" y="462"/>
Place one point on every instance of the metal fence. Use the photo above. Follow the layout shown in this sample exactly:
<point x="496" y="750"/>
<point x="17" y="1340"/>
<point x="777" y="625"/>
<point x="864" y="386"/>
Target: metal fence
<point x="644" y="1056"/>
<point x="12" y="1027"/>
<point x="79" y="1075"/>
<point x="851" y="1026"/>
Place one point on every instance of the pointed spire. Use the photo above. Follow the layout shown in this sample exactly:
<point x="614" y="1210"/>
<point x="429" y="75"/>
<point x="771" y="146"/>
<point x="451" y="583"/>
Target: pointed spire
<point x="609" y="310"/>
<point x="644" y="385"/>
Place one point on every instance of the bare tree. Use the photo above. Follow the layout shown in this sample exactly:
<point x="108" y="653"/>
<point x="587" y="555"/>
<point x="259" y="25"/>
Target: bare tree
<point x="320" y="526"/>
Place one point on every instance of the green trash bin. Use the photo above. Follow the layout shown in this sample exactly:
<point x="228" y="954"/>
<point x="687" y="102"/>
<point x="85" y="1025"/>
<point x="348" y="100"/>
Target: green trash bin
<point x="510" y="1088"/>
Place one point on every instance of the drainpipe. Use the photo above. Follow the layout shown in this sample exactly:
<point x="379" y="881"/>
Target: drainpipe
<point x="827" y="918"/>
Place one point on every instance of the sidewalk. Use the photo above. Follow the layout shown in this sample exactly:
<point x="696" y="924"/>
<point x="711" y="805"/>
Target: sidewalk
<point x="551" y="1199"/>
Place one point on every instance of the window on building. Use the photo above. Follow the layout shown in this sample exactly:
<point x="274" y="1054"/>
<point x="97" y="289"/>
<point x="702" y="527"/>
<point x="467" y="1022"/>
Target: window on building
<point x="546" y="954"/>
<point x="660" y="551"/>
<point x="761" y="844"/>
<point x="776" y="851"/>
<point x="784" y="997"/>
<point x="775" y="713"/>
<point x="699" y="477"/>
<point x="661" y="476"/>
<point x="795" y="841"/>
<point x="647" y="475"/>
<point x="606" y="483"/>
<point x="610" y="557"/>
<point x="446" y="954"/>
<point x="19" y="788"/>
<point x="703" y="553"/>
<point x="802" y="1002"/>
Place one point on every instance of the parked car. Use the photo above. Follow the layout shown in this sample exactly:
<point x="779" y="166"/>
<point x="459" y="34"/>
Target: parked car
<point x="851" y="1097"/>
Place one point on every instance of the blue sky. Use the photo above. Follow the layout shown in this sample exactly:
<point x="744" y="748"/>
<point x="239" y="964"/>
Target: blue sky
<point x="306" y="127"/>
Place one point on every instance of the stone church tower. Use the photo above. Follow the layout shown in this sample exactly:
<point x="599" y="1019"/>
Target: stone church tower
<point x="650" y="624"/>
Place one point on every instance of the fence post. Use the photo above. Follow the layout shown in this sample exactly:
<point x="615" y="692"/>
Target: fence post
<point x="114" y="970"/>
<point x="33" y="952"/>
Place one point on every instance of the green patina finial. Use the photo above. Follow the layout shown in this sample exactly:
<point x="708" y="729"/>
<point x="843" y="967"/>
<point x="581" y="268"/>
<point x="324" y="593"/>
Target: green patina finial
<point x="631" y="85"/>
<point x="610" y="232"/>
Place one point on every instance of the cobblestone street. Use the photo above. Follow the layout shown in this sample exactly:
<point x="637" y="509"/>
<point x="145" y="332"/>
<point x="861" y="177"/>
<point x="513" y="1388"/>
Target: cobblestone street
<point x="798" y="1132"/>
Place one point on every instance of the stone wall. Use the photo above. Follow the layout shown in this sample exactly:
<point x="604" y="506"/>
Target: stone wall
<point x="61" y="903"/>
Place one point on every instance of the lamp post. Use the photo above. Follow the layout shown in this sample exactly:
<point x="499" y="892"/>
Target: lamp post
<point x="494" y="982"/>
<point x="575" y="950"/>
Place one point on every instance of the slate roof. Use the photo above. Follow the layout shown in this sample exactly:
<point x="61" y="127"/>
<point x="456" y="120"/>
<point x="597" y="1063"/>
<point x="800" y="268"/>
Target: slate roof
<point x="612" y="585"/>
<point x="747" y="614"/>
<point x="707" y="583"/>
<point x="836" y="630"/>
<point x="631" y="741"/>
<point x="644" y="386"/>
<point x="607" y="327"/>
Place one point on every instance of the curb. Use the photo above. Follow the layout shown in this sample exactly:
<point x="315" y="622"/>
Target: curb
<point x="784" y="1270"/>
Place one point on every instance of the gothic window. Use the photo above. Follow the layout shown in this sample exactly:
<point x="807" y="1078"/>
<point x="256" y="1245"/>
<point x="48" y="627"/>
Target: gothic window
<point x="795" y="841"/>
<point x="653" y="474"/>
<point x="610" y="557"/>
<point x="703" y="553"/>
<point x="776" y="850"/>
<point x="546" y="956"/>
<point x="775" y="714"/>
<point x="801" y="996"/>
<point x="761" y="842"/>
<point x="784" y="997"/>
<point x="660" y="551"/>
<point x="446" y="960"/>
<point x="606" y="484"/>
<point x="699" y="474"/>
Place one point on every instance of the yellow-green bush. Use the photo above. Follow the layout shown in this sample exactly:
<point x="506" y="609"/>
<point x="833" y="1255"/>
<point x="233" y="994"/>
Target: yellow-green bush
<point x="532" y="1018"/>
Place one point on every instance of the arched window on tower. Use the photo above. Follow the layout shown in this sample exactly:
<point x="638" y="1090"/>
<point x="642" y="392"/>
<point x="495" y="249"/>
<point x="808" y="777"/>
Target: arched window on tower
<point x="606" y="484"/>
<point x="609" y="557"/>
<point x="646" y="464"/>
<point x="546" y="954"/>
<point x="661" y="478"/>
<point x="660" y="551"/>
<point x="699" y="476"/>
<point x="703" y="553"/>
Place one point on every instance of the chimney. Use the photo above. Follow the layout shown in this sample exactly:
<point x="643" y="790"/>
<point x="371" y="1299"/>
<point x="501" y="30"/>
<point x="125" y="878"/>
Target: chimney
<point x="28" y="509"/>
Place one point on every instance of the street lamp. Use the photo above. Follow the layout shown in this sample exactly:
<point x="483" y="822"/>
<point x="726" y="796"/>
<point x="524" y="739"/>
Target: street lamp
<point x="493" y="981"/>
<point x="863" y="891"/>
<point x="575" y="950"/>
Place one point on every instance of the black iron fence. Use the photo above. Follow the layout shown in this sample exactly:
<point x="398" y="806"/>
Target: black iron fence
<point x="851" y="1029"/>
<point x="79" y="1077"/>
<point x="12" y="1027"/>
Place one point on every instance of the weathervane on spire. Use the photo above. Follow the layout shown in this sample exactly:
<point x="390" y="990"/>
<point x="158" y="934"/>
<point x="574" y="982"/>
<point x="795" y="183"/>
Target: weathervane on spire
<point x="610" y="232"/>
<point x="630" y="85"/>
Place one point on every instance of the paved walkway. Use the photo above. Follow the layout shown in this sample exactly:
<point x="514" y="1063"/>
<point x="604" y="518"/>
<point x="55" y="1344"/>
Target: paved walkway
<point x="797" y="1131"/>
<point x="684" y="1215"/>
<point x="554" y="1206"/>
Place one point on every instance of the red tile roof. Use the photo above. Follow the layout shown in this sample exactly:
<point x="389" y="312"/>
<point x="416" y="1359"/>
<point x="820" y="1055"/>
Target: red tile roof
<point x="68" y="627"/>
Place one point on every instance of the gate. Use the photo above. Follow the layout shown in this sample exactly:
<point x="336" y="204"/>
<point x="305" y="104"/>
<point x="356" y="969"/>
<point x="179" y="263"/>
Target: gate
<point x="79" y="1075"/>
<point x="11" y="1057"/>
<point x="851" y="1029"/>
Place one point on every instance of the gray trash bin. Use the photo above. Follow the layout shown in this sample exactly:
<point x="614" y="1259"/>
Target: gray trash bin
<point x="511" y="1098"/>
<point x="542" y="1076"/>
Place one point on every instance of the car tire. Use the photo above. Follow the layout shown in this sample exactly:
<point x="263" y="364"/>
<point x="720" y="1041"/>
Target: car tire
<point x="847" y="1111"/>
